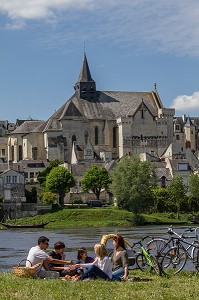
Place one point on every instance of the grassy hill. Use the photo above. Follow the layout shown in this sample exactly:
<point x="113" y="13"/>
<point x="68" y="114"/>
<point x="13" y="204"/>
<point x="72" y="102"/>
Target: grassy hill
<point x="96" y="217"/>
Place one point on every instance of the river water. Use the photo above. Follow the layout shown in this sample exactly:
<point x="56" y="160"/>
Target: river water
<point x="15" y="243"/>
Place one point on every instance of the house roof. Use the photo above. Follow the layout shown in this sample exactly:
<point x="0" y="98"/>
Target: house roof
<point x="27" y="126"/>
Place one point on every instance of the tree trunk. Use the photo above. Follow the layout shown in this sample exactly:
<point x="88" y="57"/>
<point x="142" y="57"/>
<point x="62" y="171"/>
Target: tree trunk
<point x="61" y="199"/>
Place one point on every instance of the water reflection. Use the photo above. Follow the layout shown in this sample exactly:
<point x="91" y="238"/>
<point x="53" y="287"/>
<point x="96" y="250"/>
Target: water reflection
<point x="16" y="243"/>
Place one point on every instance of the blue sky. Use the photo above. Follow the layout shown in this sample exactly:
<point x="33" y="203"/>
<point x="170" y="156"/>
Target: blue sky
<point x="130" y="45"/>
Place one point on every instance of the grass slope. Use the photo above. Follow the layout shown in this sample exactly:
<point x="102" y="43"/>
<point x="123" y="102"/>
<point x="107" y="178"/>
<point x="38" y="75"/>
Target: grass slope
<point x="96" y="217"/>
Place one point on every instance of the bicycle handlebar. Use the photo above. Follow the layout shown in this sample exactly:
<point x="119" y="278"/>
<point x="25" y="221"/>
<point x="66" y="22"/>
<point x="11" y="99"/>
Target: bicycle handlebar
<point x="191" y="229"/>
<point x="140" y="241"/>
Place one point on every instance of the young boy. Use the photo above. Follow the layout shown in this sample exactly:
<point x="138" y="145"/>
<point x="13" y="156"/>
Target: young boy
<point x="58" y="253"/>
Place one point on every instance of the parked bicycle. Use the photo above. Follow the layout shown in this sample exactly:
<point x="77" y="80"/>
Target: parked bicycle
<point x="172" y="254"/>
<point x="145" y="261"/>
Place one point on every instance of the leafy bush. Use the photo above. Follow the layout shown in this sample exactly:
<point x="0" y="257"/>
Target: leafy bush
<point x="138" y="219"/>
<point x="76" y="201"/>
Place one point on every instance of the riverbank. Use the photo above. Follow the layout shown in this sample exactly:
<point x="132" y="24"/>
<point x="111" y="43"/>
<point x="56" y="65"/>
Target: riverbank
<point x="183" y="286"/>
<point x="98" y="217"/>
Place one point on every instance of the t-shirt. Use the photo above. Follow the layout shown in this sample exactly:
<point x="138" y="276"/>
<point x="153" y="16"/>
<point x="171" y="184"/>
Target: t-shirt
<point x="55" y="255"/>
<point x="36" y="256"/>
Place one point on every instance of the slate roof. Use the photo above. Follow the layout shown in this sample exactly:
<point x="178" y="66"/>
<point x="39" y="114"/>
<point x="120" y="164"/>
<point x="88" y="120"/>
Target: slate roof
<point x="175" y="162"/>
<point x="27" y="127"/>
<point x="161" y="170"/>
<point x="108" y="105"/>
<point x="80" y="169"/>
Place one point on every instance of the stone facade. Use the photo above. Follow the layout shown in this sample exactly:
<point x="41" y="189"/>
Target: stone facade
<point x="103" y="125"/>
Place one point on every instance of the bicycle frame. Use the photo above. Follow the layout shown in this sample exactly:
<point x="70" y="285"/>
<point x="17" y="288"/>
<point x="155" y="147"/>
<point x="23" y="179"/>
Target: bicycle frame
<point x="147" y="256"/>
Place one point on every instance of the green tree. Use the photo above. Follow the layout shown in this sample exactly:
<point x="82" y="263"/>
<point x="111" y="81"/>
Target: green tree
<point x="59" y="181"/>
<point x="132" y="183"/>
<point x="44" y="173"/>
<point x="194" y="192"/>
<point x="95" y="179"/>
<point x="177" y="193"/>
<point x="49" y="197"/>
<point x="160" y="196"/>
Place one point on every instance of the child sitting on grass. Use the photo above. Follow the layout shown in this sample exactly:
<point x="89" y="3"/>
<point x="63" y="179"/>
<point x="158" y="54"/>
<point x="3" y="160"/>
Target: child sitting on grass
<point x="100" y="268"/>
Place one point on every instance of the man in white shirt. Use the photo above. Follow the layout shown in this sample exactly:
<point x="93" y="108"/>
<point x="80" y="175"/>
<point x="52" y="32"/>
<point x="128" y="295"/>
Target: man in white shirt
<point x="37" y="255"/>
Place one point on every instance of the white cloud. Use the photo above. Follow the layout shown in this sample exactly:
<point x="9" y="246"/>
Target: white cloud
<point x="187" y="103"/>
<point x="149" y="25"/>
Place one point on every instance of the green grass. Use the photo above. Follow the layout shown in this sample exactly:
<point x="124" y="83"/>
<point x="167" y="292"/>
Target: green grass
<point x="183" y="286"/>
<point x="96" y="217"/>
<point x="92" y="217"/>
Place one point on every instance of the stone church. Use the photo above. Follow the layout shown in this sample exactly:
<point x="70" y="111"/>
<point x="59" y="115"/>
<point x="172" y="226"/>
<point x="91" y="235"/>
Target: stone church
<point x="96" y="125"/>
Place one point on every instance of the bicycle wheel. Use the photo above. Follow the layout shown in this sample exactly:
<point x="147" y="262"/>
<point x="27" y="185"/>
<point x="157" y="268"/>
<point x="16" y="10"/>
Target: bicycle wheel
<point x="195" y="256"/>
<point x="145" y="266"/>
<point x="174" y="261"/>
<point x="158" y="247"/>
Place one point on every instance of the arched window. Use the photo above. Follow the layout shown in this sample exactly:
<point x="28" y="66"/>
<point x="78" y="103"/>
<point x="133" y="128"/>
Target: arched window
<point x="34" y="153"/>
<point x="163" y="181"/>
<point x="73" y="139"/>
<point x="96" y="135"/>
<point x="86" y="137"/>
<point x="114" y="137"/>
<point x="20" y="152"/>
<point x="12" y="153"/>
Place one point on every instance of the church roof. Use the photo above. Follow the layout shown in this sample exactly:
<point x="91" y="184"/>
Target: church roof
<point x="108" y="105"/>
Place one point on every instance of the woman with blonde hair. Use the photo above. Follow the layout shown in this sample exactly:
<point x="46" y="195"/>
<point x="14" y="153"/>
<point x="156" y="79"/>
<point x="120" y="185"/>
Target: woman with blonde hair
<point x="100" y="268"/>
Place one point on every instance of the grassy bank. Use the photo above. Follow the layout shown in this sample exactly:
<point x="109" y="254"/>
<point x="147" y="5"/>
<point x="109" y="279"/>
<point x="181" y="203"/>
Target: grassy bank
<point x="183" y="286"/>
<point x="97" y="217"/>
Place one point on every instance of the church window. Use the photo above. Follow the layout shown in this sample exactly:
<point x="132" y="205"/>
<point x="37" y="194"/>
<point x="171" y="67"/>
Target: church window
<point x="84" y="90"/>
<point x="12" y="153"/>
<point x="163" y="181"/>
<point x="114" y="137"/>
<point x="86" y="137"/>
<point x="177" y="127"/>
<point x="34" y="153"/>
<point x="20" y="152"/>
<point x="142" y="113"/>
<point x="96" y="135"/>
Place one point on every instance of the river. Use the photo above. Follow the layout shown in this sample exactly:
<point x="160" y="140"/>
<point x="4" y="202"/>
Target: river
<point x="15" y="243"/>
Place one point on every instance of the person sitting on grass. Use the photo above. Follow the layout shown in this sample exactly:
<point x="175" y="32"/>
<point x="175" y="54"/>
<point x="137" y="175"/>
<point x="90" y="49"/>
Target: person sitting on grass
<point x="38" y="255"/>
<point x="119" y="259"/>
<point x="100" y="268"/>
<point x="58" y="253"/>
<point x="83" y="258"/>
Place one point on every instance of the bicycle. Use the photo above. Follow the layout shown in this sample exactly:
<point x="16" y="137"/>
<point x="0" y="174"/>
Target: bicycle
<point x="172" y="254"/>
<point x="146" y="261"/>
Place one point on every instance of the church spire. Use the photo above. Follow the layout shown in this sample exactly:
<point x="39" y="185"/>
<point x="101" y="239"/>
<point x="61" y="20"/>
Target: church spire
<point x="85" y="74"/>
<point x="85" y="86"/>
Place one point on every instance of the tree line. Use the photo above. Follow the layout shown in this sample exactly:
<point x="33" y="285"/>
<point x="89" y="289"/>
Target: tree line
<point x="133" y="184"/>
